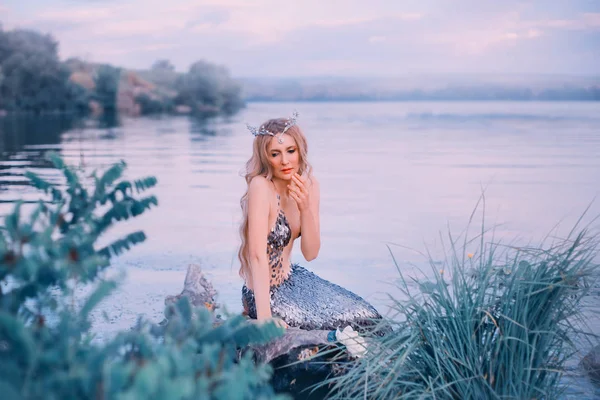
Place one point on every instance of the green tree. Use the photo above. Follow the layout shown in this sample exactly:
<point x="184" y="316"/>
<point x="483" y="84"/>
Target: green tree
<point x="34" y="78"/>
<point x="107" y="87"/>
<point x="163" y="65"/>
<point x="209" y="90"/>
<point x="163" y="74"/>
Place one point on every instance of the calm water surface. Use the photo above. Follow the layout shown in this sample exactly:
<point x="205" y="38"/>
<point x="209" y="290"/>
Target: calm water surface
<point x="392" y="174"/>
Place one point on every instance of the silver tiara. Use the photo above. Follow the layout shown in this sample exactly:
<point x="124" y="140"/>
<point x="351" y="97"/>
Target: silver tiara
<point x="262" y="131"/>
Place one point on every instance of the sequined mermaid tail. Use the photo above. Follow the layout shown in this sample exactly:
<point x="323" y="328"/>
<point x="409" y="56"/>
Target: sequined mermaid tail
<point x="307" y="301"/>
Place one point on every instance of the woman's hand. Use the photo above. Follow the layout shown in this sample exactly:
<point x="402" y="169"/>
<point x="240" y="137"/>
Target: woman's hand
<point x="280" y="323"/>
<point x="299" y="192"/>
<point x="277" y="321"/>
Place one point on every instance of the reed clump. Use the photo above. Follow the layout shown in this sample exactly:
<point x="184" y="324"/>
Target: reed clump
<point x="496" y="324"/>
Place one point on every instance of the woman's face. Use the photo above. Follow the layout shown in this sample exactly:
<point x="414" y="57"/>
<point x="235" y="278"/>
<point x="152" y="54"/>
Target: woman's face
<point x="283" y="157"/>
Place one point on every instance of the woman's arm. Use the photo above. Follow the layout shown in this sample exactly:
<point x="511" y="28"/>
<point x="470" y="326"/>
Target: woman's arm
<point x="258" y="229"/>
<point x="306" y="193"/>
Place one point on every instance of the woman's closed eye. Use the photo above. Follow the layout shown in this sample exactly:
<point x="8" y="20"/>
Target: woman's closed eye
<point x="290" y="151"/>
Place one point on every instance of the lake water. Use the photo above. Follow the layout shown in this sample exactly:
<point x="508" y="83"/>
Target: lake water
<point x="392" y="174"/>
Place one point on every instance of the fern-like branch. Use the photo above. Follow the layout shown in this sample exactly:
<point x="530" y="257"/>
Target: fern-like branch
<point x="121" y="245"/>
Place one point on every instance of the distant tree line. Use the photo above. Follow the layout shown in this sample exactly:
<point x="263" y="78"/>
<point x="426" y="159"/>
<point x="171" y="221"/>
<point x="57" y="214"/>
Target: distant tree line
<point x="33" y="79"/>
<point x="402" y="89"/>
<point x="206" y="89"/>
<point x="445" y="94"/>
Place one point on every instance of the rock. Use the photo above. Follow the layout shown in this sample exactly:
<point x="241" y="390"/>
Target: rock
<point x="292" y="356"/>
<point x="591" y="363"/>
<point x="84" y="79"/>
<point x="197" y="288"/>
<point x="131" y="86"/>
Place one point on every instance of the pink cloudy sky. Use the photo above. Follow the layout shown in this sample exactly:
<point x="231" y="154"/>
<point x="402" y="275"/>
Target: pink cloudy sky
<point x="325" y="37"/>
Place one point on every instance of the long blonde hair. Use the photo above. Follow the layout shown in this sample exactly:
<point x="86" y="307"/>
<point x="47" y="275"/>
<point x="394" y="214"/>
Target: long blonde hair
<point x="258" y="165"/>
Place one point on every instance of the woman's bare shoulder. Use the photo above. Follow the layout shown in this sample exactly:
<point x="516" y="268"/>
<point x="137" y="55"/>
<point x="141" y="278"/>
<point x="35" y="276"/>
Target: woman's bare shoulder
<point x="313" y="182"/>
<point x="259" y="185"/>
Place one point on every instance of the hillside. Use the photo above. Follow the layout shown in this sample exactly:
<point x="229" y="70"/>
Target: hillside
<point x="423" y="87"/>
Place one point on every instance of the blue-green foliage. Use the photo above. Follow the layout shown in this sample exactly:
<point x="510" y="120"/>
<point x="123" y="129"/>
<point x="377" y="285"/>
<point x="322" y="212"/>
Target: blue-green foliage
<point x="46" y="347"/>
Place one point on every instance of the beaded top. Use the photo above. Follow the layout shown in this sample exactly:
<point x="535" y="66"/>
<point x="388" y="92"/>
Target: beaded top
<point x="279" y="237"/>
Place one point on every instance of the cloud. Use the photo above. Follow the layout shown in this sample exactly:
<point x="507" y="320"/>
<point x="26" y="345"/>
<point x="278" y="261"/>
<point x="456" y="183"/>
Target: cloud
<point x="79" y="14"/>
<point x="585" y="21"/>
<point x="377" y="39"/>
<point x="482" y="41"/>
<point x="591" y="20"/>
<point x="355" y="21"/>
<point x="556" y="23"/>
<point x="533" y="33"/>
<point x="135" y="17"/>
<point x="212" y="18"/>
<point x="140" y="27"/>
<point x="347" y="37"/>
<point x="111" y="50"/>
<point x="492" y="40"/>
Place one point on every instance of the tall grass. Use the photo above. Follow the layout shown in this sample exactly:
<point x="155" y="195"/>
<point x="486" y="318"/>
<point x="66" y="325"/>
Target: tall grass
<point x="494" y="325"/>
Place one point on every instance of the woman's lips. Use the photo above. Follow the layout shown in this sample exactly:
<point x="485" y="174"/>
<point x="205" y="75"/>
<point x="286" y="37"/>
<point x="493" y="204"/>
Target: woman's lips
<point x="287" y="170"/>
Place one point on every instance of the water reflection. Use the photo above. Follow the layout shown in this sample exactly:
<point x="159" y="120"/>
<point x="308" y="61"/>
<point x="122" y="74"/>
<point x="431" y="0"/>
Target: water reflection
<point x="17" y="132"/>
<point x="23" y="141"/>
<point x="202" y="129"/>
<point x="108" y="121"/>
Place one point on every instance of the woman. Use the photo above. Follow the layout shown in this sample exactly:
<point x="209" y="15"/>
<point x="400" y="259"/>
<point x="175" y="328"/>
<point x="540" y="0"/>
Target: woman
<point x="280" y="206"/>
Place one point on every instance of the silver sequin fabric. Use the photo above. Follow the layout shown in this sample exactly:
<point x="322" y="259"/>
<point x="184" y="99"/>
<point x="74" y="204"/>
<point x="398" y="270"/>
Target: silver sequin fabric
<point x="307" y="301"/>
<point x="303" y="299"/>
<point x="278" y="238"/>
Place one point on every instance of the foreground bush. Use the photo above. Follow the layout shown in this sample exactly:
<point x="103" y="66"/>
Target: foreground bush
<point x="496" y="325"/>
<point x="46" y="349"/>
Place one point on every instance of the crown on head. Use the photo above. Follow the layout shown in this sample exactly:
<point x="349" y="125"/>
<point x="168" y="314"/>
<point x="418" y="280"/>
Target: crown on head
<point x="262" y="131"/>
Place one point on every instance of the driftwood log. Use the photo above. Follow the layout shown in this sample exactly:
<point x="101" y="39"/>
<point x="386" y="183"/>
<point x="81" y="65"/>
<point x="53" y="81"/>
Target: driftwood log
<point x="296" y="369"/>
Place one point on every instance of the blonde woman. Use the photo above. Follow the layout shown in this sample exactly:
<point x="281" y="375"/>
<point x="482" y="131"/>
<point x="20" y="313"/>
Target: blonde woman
<point x="281" y="205"/>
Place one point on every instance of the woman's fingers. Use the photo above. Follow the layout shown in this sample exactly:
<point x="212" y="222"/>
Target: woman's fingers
<point x="281" y="323"/>
<point x="299" y="199"/>
<point x="276" y="320"/>
<point x="294" y="189"/>
<point x="295" y="196"/>
<point x="294" y="184"/>
<point x="300" y="177"/>
<point x="299" y="182"/>
<point x="298" y="191"/>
